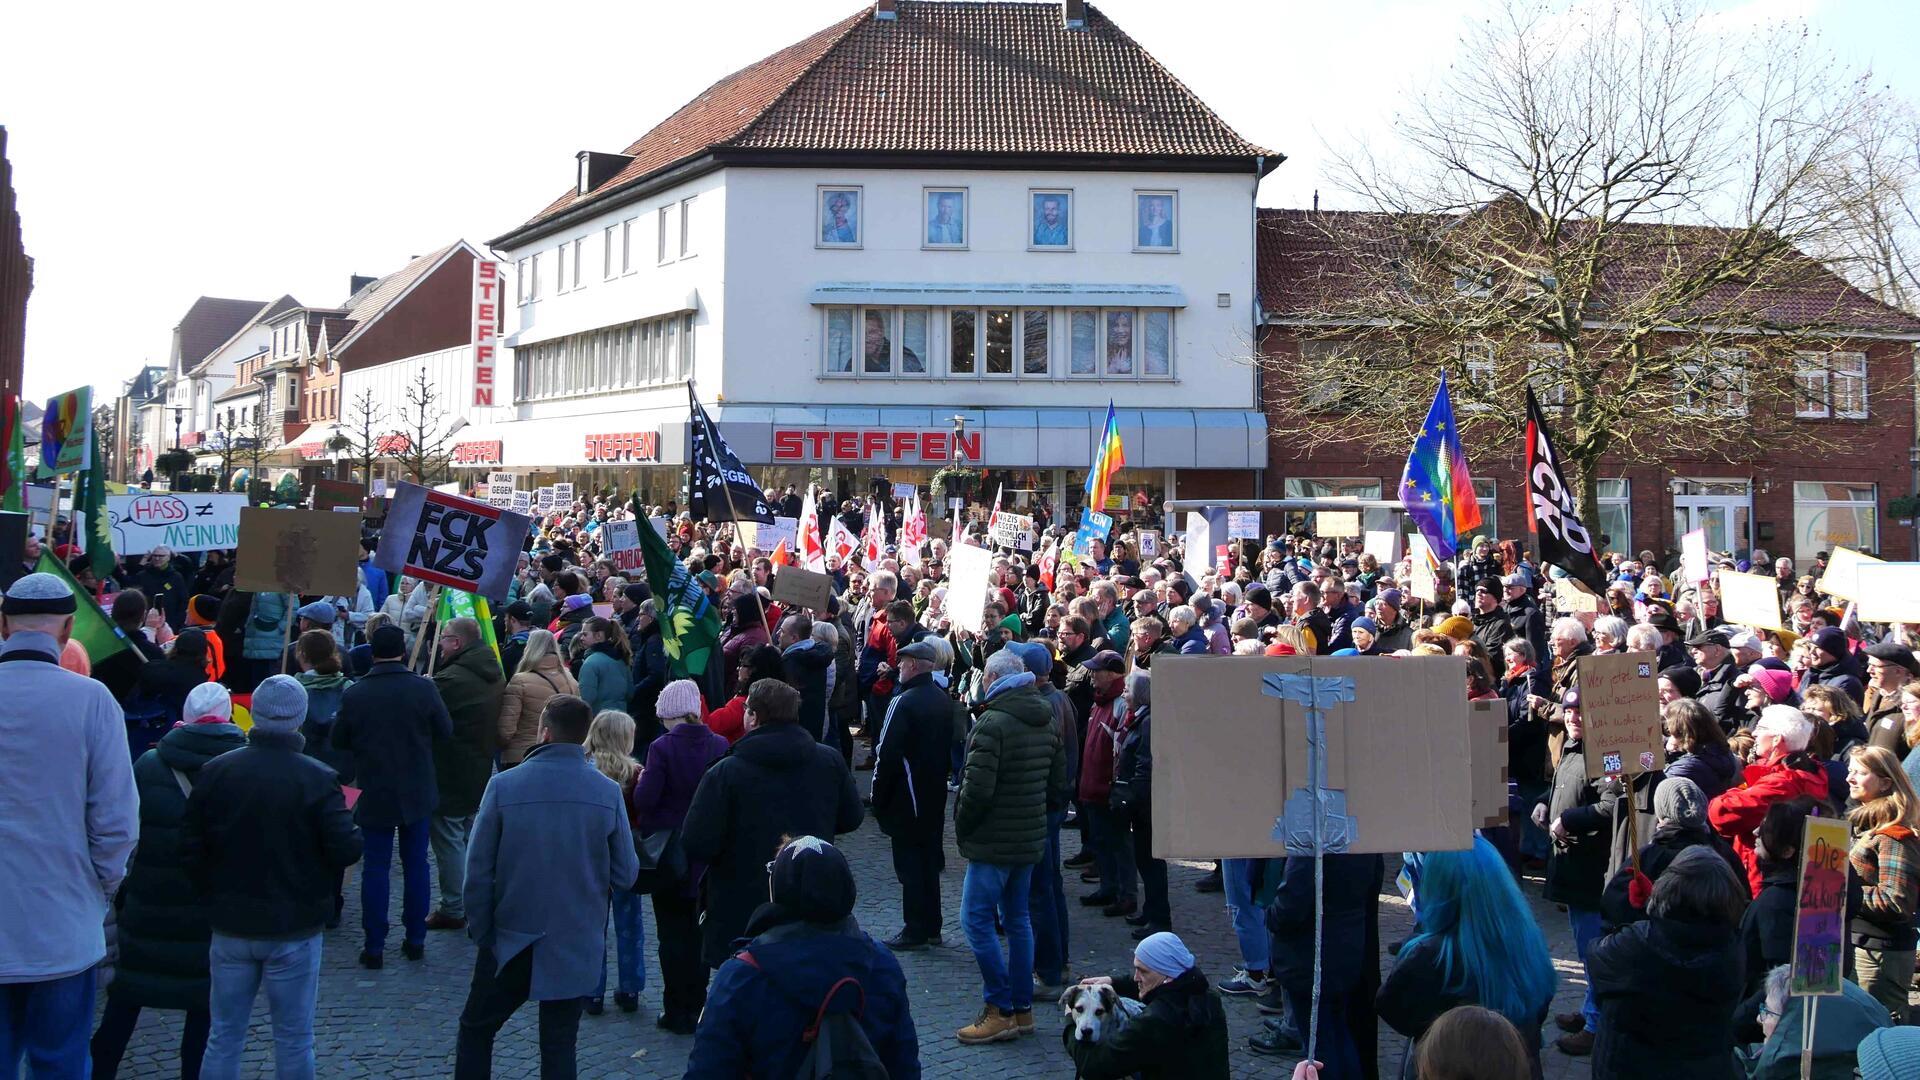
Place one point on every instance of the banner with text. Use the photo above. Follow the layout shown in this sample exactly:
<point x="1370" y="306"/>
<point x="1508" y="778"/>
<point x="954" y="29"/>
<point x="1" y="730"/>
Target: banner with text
<point x="452" y="541"/>
<point x="182" y="522"/>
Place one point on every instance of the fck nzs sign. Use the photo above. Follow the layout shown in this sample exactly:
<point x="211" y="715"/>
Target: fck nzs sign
<point x="459" y="543"/>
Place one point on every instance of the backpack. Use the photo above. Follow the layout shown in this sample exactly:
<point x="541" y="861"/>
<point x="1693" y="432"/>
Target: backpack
<point x="837" y="1047"/>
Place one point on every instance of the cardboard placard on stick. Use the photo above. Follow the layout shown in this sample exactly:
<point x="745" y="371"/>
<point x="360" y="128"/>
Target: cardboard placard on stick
<point x="1751" y="600"/>
<point x="1230" y="755"/>
<point x="969" y="570"/>
<point x="1842" y="576"/>
<point x="452" y="541"/>
<point x="297" y="551"/>
<point x="1487" y="720"/>
<point x="1332" y="523"/>
<point x="1425" y="582"/>
<point x="1890" y="592"/>
<point x="1620" y="708"/>
<point x="1820" y="908"/>
<point x="802" y="588"/>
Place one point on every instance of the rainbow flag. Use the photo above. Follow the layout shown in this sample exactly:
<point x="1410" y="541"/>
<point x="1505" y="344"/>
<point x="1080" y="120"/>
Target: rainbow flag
<point x="1108" y="457"/>
<point x="1435" y="486"/>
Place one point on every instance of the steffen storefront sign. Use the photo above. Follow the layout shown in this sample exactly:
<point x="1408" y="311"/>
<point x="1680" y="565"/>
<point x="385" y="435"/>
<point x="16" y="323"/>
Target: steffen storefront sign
<point x="821" y="444"/>
<point x="618" y="446"/>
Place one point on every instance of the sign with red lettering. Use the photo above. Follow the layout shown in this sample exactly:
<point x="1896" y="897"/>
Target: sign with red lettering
<point x="452" y="541"/>
<point x="624" y="446"/>
<point x="879" y="444"/>
<point x="486" y="315"/>
<point x="1620" y="711"/>
<point x="1820" y="911"/>
<point x="477" y="453"/>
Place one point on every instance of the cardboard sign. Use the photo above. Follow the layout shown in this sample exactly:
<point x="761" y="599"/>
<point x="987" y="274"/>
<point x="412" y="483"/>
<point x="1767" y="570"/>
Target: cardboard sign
<point x="1820" y="908"/>
<point x="1571" y="599"/>
<point x="1330" y="523"/>
<point x="452" y="541"/>
<point x="1199" y="542"/>
<point x="1243" y="524"/>
<point x="1487" y="721"/>
<point x="563" y="494"/>
<point x="1620" y="704"/>
<point x="297" y="551"/>
<point x="338" y="494"/>
<point x="768" y="537"/>
<point x="620" y="540"/>
<point x="1384" y="545"/>
<point x="1842" y="575"/>
<point x="968" y="568"/>
<point x="1228" y="754"/>
<point x="1693" y="557"/>
<point x="1425" y="583"/>
<point x="543" y="500"/>
<point x="800" y="588"/>
<point x="903" y="492"/>
<point x="1149" y="544"/>
<point x="1750" y="600"/>
<point x="186" y="521"/>
<point x="522" y="503"/>
<point x="1009" y="530"/>
<point x="1889" y="592"/>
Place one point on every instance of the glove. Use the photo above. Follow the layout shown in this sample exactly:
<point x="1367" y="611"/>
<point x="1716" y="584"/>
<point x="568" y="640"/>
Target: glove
<point x="1638" y="890"/>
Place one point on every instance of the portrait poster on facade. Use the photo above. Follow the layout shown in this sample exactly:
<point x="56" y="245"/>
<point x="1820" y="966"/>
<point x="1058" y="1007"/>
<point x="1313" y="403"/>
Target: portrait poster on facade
<point x="1750" y="600"/>
<point x="452" y="541"/>
<point x="1890" y="592"/>
<point x="1620" y="705"/>
<point x="621" y="541"/>
<point x="1231" y="753"/>
<point x="1820" y="908"/>
<point x="183" y="521"/>
<point x="1841" y="578"/>
<point x="297" y="551"/>
<point x="969" y="568"/>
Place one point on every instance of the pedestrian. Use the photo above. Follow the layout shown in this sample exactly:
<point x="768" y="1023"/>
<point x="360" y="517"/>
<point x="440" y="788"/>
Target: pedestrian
<point x="470" y="684"/>
<point x="1886" y="860"/>
<point x="549" y="844"/>
<point x="1342" y="929"/>
<point x="539" y="675"/>
<point x="388" y="722"/>
<point x="1131" y="801"/>
<point x="1047" y="900"/>
<point x="1781" y="769"/>
<point x="610" y="749"/>
<point x="809" y="967"/>
<point x="606" y="674"/>
<point x="1767" y="927"/>
<point x="266" y="833"/>
<point x="1581" y="830"/>
<point x="777" y="781"/>
<point x="67" y="830"/>
<point x="805" y="663"/>
<point x="1112" y="841"/>
<point x="1016" y="771"/>
<point x="1468" y="1042"/>
<point x="1180" y="1032"/>
<point x="162" y="920"/>
<point x="1696" y="747"/>
<point x="1680" y="822"/>
<point x="909" y="797"/>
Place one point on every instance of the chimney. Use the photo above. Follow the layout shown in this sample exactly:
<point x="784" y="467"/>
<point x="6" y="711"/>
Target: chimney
<point x="1074" y="14"/>
<point x="886" y="9"/>
<point x="357" y="282"/>
<point x="596" y="168"/>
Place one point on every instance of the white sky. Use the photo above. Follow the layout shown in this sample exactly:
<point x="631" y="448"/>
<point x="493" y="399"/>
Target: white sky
<point x="168" y="151"/>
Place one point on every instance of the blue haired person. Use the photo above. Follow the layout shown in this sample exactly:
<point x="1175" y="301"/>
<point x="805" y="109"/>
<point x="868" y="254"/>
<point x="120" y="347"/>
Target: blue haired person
<point x="1476" y="943"/>
<point x="1182" y="1031"/>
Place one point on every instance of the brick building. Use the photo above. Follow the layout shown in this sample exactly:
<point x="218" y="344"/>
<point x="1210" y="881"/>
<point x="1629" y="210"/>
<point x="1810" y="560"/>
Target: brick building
<point x="16" y="281"/>
<point x="1827" y="483"/>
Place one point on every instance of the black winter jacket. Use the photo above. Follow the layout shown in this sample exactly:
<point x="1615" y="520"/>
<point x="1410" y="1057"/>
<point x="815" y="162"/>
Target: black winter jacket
<point x="804" y="667"/>
<point x="911" y="762"/>
<point x="1667" y="992"/>
<point x="1669" y="841"/>
<point x="777" y="780"/>
<point x="266" y="833"/>
<point x="1182" y="1033"/>
<point x="1350" y="885"/>
<point x="387" y="722"/>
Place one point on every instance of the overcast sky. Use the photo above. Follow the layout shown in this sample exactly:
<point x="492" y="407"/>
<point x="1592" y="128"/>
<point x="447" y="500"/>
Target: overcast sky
<point x="168" y="151"/>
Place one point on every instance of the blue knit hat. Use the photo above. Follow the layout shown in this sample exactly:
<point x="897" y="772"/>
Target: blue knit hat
<point x="1890" y="1054"/>
<point x="279" y="704"/>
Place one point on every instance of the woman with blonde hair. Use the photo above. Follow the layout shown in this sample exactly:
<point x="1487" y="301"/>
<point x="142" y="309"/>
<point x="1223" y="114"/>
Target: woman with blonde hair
<point x="610" y="748"/>
<point x="541" y="675"/>
<point x="1886" y="859"/>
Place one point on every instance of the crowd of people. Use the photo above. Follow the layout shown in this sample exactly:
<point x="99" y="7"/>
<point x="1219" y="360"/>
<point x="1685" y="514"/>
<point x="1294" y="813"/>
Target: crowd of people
<point x="182" y="819"/>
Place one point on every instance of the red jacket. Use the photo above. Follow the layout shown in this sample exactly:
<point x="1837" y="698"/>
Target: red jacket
<point x="1737" y="812"/>
<point x="729" y="721"/>
<point x="1096" y="758"/>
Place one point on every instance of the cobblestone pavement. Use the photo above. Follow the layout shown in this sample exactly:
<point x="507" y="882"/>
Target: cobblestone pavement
<point x="400" y="1021"/>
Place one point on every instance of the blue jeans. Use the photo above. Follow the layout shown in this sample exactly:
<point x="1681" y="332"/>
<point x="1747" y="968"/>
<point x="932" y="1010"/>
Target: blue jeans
<point x="1586" y="931"/>
<point x="376" y="877"/>
<point x="989" y="887"/>
<point x="291" y="970"/>
<point x="629" y="940"/>
<point x="1047" y="905"/>
<point x="48" y="1024"/>
<point x="1239" y="881"/>
<point x="448" y="836"/>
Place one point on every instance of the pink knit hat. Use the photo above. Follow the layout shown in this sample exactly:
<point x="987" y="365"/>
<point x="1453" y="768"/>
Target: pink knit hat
<point x="1776" y="684"/>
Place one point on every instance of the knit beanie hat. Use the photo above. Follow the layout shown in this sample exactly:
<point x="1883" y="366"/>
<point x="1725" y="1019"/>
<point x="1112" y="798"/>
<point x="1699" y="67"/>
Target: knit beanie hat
<point x="1890" y="1054"/>
<point x="1832" y="641"/>
<point x="1038" y="658"/>
<point x="279" y="704"/>
<point x="1684" y="679"/>
<point x="1777" y="684"/>
<point x="210" y="703"/>
<point x="811" y="878"/>
<point x="1367" y="624"/>
<point x="202" y="610"/>
<point x="1457" y="627"/>
<point x="1259" y="595"/>
<point x="1680" y="801"/>
<point x="1165" y="953"/>
<point x="680" y="697"/>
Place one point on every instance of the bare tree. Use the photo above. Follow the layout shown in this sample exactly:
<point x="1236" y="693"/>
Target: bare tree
<point x="1607" y="205"/>
<point x="1871" y="196"/>
<point x="251" y="442"/>
<point x="367" y="441"/>
<point x="423" y="429"/>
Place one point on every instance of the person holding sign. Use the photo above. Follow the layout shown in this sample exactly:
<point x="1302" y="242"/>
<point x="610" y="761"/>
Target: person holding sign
<point x="1886" y="859"/>
<point x="1581" y="828"/>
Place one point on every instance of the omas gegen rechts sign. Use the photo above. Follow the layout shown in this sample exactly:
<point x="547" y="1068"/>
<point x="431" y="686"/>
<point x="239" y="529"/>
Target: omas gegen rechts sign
<point x="460" y="543"/>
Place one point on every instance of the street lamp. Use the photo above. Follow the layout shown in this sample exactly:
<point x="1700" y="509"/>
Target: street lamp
<point x="178" y="413"/>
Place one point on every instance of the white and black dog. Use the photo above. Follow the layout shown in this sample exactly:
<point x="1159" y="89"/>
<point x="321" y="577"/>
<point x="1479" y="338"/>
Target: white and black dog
<point x="1097" y="1013"/>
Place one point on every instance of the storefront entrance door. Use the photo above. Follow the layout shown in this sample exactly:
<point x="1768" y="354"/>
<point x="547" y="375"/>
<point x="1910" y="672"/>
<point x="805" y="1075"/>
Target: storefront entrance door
<point x="1723" y="508"/>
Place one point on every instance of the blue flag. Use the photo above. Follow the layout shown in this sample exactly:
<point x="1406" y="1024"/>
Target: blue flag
<point x="1435" y="487"/>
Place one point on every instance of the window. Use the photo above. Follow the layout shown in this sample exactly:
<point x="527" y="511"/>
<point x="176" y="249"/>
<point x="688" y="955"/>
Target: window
<point x="686" y="228"/>
<point x="1050" y="220"/>
<point x="666" y="243"/>
<point x="1615" y="527"/>
<point x="520" y="282"/>
<point x="648" y="352"/>
<point x="1831" y="385"/>
<point x="1546" y="373"/>
<point x="1825" y="515"/>
<point x="841" y="213"/>
<point x="840" y="341"/>
<point x="1084" y="334"/>
<point x="607" y="252"/>
<point x="1487" y="493"/>
<point x="1301" y="487"/>
<point x="626" y="244"/>
<point x="533" y="280"/>
<point x="1715" y="385"/>
<point x="1477" y="356"/>
<point x="878" y="343"/>
<point x="1156" y="217"/>
<point x="960" y="350"/>
<point x="560" y="269"/>
<point x="579" y="244"/>
<point x="913" y="341"/>
<point x="946" y="219"/>
<point x="1156" y="357"/>
<point x="999" y="324"/>
<point x="891" y="341"/>
<point x="1004" y="342"/>
<point x="1033" y="341"/>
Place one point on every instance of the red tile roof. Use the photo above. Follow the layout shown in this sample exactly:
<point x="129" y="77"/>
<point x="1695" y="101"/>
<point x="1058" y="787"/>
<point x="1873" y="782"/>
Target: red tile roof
<point x="1319" y="260"/>
<point x="970" y="77"/>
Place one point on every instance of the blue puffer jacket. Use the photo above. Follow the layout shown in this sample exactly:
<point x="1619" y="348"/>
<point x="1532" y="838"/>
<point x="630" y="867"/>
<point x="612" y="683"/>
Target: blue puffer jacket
<point x="757" y="1011"/>
<point x="266" y="629"/>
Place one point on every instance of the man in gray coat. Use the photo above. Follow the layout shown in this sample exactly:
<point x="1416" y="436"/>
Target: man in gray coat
<point x="552" y="820"/>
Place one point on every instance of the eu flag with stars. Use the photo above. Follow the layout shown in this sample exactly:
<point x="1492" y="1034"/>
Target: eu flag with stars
<point x="1435" y="486"/>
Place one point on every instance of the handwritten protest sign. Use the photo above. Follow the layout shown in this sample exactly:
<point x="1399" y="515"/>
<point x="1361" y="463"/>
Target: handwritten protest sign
<point x="1750" y="600"/>
<point x="621" y="542"/>
<point x="1009" y="530"/>
<point x="338" y="495"/>
<point x="1890" y="592"/>
<point x="297" y="551"/>
<point x="1820" y="909"/>
<point x="1425" y="583"/>
<point x="1620" y="708"/>
<point x="1330" y="523"/>
<point x="1149" y="544"/>
<point x="770" y="536"/>
<point x="1243" y="524"/>
<point x="1841" y="578"/>
<point x="452" y="541"/>
<point x="801" y="588"/>
<point x="1487" y="724"/>
<point x="1384" y="545"/>
<point x="1571" y="599"/>
<point x="969" y="568"/>
<point x="183" y="521"/>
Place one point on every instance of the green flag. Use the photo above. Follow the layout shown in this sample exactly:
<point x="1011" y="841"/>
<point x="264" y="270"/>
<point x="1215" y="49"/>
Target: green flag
<point x="455" y="604"/>
<point x="13" y="434"/>
<point x="91" y="627"/>
<point x="91" y="499"/>
<point x="689" y="623"/>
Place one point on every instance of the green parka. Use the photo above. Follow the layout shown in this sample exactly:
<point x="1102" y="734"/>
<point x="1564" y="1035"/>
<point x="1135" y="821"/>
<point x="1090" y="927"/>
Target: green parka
<point x="471" y="685"/>
<point x="1016" y="770"/>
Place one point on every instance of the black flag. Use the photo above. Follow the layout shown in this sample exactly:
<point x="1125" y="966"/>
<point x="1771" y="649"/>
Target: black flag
<point x="719" y="488"/>
<point x="1559" y="534"/>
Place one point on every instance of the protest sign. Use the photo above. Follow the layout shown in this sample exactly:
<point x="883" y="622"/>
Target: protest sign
<point x="1841" y="578"/>
<point x="1331" y="523"/>
<point x="1231" y="753"/>
<point x="1009" y="530"/>
<point x="1487" y="721"/>
<point x="1571" y="599"/>
<point x="543" y="500"/>
<point x="380" y="488"/>
<point x="297" y="551"/>
<point x="1199" y="542"/>
<point x="621" y="542"/>
<point x="186" y="521"/>
<point x="903" y="492"/>
<point x="1384" y="545"/>
<point x="66" y="432"/>
<point x="968" y="569"/>
<point x="500" y="480"/>
<point x="452" y="541"/>
<point x="338" y="494"/>
<point x="522" y="503"/>
<point x="801" y="588"/>
<point x="563" y="494"/>
<point x="1094" y="525"/>
<point x="1620" y="708"/>
<point x="1425" y="584"/>
<point x="500" y="489"/>
<point x="1890" y="592"/>
<point x="1149" y="544"/>
<point x="1243" y="524"/>
<point x="768" y="537"/>
<point x="1750" y="600"/>
<point x="1693" y="557"/>
<point x="659" y="523"/>
<point x="1820" y="908"/>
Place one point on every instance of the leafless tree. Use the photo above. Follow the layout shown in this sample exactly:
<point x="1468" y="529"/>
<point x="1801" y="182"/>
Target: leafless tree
<point x="1872" y="198"/>
<point x="1608" y="205"/>
<point x="424" y="429"/>
<point x="367" y="441"/>
<point x="250" y="442"/>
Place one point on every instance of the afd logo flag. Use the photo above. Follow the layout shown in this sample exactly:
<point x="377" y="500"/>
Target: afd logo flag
<point x="1559" y="533"/>
<point x="460" y="543"/>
